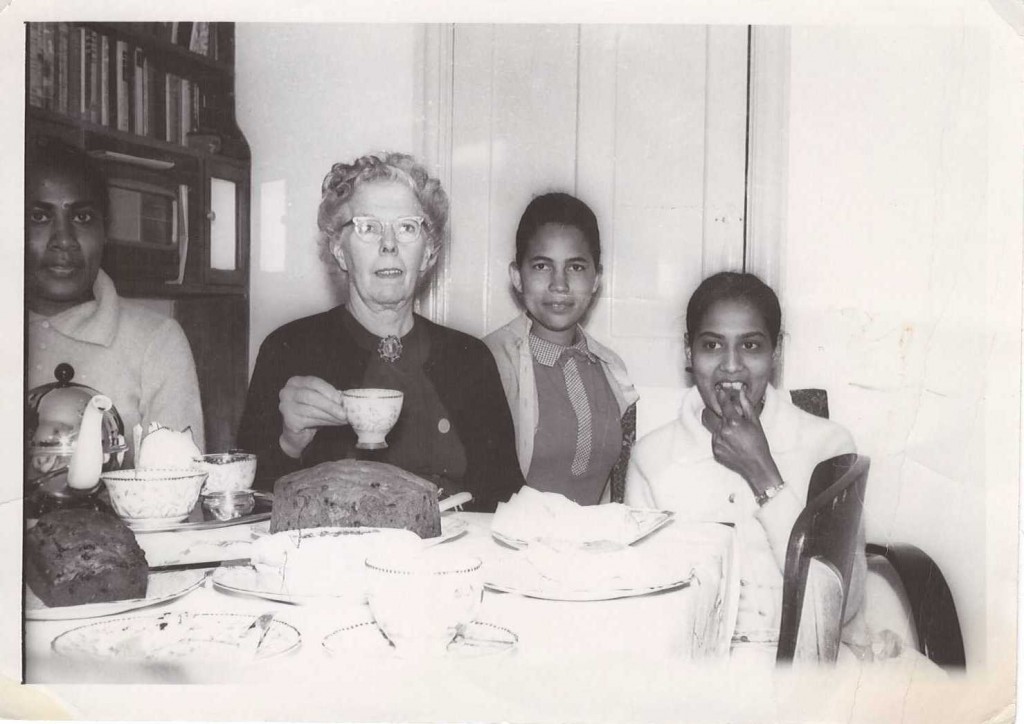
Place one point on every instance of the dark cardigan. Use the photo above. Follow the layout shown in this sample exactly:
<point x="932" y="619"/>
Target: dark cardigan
<point x="460" y="368"/>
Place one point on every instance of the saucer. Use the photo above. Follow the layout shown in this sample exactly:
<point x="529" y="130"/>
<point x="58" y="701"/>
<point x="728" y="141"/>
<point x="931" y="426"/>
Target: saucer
<point x="366" y="639"/>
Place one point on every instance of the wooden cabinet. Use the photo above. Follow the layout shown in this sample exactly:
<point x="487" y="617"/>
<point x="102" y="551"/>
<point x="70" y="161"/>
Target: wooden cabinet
<point x="154" y="102"/>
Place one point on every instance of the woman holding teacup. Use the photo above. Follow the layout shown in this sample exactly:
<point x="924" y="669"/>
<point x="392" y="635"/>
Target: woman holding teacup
<point x="740" y="452"/>
<point x="382" y="220"/>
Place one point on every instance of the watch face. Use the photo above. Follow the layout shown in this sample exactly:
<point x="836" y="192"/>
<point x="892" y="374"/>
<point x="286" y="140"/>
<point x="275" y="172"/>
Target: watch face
<point x="768" y="494"/>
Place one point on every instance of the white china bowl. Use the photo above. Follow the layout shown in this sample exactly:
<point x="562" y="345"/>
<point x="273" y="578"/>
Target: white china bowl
<point x="421" y="601"/>
<point x="372" y="412"/>
<point x="154" y="493"/>
<point x="228" y="472"/>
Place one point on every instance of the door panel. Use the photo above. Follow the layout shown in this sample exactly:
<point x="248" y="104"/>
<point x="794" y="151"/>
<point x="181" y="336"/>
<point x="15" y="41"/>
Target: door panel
<point x="646" y="124"/>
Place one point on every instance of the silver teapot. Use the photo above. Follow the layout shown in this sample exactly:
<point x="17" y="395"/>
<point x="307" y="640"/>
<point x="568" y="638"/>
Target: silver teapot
<point x="73" y="433"/>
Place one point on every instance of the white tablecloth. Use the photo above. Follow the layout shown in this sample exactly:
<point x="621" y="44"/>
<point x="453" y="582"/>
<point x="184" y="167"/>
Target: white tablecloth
<point x="562" y="646"/>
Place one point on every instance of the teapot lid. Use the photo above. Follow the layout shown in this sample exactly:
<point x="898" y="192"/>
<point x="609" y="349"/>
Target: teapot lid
<point x="53" y="415"/>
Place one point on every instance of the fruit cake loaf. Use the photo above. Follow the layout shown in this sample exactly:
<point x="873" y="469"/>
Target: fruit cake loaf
<point x="353" y="494"/>
<point x="77" y="556"/>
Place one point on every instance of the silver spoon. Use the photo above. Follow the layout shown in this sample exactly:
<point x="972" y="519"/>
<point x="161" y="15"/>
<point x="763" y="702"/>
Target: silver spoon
<point x="262" y="623"/>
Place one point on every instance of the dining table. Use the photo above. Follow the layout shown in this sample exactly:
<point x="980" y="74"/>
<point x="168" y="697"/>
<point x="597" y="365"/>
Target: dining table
<point x="613" y="657"/>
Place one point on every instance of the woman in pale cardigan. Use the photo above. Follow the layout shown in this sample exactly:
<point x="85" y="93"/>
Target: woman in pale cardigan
<point x="572" y="403"/>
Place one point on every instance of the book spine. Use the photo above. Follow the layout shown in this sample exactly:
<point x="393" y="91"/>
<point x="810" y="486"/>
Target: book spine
<point x="185" y="34"/>
<point x="87" y="56"/>
<point x="186" y="110"/>
<point x="147" y="97"/>
<point x="63" y="66"/>
<point x="138" y="93"/>
<point x="122" y="86"/>
<point x="197" y="108"/>
<point x="104" y="80"/>
<point x="74" y="72"/>
<point x="200" y="40"/>
<point x="35" y="65"/>
<point x="173" y="94"/>
<point x="158" y="117"/>
<point x="47" y="58"/>
<point x="213" y="51"/>
<point x="95" y="95"/>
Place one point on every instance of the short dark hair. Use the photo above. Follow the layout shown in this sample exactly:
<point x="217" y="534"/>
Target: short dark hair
<point x="735" y="286"/>
<point x="558" y="208"/>
<point x="53" y="153"/>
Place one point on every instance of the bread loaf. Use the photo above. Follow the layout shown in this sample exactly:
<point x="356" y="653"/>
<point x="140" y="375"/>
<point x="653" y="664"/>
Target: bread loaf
<point x="77" y="556"/>
<point x="354" y="494"/>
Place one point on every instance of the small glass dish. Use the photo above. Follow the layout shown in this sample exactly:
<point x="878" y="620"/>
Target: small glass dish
<point x="228" y="505"/>
<point x="233" y="470"/>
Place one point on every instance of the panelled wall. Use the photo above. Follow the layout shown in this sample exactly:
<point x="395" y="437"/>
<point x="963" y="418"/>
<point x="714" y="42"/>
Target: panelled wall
<point x="644" y="123"/>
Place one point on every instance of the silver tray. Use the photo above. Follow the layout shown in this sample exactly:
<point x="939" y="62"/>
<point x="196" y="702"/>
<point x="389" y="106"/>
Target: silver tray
<point x="197" y="519"/>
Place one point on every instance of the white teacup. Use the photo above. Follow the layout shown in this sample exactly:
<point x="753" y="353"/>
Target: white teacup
<point x="326" y="562"/>
<point x="423" y="600"/>
<point x="372" y="412"/>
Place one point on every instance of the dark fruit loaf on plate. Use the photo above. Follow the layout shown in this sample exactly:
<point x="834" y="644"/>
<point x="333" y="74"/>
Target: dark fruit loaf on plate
<point x="355" y="494"/>
<point x="83" y="556"/>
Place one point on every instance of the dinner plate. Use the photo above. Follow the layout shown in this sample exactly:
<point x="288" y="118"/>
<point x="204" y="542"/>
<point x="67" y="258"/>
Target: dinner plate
<point x="451" y="527"/>
<point x="647" y="521"/>
<point x="173" y="637"/>
<point x="366" y="639"/>
<point x="196" y="520"/>
<point x="516" y="574"/>
<point x="268" y="584"/>
<point x="160" y="588"/>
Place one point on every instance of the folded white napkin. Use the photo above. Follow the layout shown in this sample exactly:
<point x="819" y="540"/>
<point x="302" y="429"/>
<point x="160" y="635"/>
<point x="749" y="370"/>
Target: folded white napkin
<point x="532" y="515"/>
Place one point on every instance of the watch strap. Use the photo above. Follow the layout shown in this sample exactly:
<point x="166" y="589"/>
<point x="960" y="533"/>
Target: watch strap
<point x="768" y="493"/>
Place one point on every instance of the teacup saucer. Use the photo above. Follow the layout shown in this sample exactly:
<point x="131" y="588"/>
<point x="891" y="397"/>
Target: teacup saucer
<point x="366" y="639"/>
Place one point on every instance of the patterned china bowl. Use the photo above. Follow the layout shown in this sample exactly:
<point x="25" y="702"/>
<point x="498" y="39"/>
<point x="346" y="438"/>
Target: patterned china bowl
<point x="154" y="494"/>
<point x="228" y="472"/>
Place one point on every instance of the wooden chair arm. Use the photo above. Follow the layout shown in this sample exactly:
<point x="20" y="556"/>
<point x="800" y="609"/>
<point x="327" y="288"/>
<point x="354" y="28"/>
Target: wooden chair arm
<point x="931" y="602"/>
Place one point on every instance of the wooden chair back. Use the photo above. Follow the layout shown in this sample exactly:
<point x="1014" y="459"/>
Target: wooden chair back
<point x="820" y="558"/>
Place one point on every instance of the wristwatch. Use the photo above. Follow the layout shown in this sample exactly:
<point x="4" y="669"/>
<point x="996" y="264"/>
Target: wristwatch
<point x="768" y="493"/>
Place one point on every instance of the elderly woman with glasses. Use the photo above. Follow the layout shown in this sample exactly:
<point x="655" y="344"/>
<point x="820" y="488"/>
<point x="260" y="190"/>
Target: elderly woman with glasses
<point x="382" y="220"/>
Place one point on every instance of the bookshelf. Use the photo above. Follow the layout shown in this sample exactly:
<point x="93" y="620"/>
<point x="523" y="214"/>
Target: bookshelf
<point x="155" y="103"/>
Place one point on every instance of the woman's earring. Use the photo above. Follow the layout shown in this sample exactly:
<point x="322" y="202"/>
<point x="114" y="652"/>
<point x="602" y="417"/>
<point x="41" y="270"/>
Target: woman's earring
<point x="688" y="368"/>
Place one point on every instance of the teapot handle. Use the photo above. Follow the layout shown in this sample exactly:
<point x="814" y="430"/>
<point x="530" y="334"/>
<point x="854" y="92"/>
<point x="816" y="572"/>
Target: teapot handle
<point x="87" y="460"/>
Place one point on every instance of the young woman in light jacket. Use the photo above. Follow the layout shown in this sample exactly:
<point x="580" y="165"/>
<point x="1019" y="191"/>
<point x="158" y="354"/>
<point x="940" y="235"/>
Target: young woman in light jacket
<point x="740" y="452"/>
<point x="572" y="403"/>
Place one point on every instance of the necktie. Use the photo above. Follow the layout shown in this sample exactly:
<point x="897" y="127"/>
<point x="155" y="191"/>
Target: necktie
<point x="581" y="406"/>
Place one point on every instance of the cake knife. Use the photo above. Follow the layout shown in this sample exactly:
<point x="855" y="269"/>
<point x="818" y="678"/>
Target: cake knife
<point x="454" y="501"/>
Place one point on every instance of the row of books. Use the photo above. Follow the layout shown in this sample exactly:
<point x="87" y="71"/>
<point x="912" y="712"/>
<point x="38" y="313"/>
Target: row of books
<point x="82" y="73"/>
<point x="199" y="37"/>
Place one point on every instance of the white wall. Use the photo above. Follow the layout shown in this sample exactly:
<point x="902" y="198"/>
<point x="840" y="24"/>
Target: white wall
<point x="307" y="98"/>
<point x="901" y="296"/>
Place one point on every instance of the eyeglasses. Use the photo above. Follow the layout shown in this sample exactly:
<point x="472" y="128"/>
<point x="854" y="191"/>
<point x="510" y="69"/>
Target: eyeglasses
<point x="405" y="229"/>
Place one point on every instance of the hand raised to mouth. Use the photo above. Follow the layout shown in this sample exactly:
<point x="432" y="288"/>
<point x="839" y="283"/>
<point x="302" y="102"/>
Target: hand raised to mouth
<point x="739" y="442"/>
<point x="729" y="402"/>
